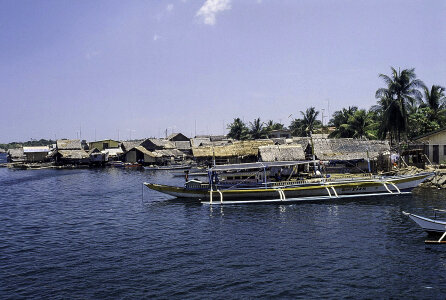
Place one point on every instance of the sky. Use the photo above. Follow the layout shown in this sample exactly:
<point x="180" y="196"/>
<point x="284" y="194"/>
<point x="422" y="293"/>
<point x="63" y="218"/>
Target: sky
<point x="135" y="69"/>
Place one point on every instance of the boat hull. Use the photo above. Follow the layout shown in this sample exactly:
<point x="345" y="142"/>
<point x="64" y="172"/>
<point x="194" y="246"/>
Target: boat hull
<point x="429" y="225"/>
<point x="310" y="191"/>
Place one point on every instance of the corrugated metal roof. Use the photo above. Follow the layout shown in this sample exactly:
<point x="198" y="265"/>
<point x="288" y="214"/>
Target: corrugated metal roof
<point x="36" y="149"/>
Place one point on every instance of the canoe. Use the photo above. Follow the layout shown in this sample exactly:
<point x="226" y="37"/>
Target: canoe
<point x="432" y="226"/>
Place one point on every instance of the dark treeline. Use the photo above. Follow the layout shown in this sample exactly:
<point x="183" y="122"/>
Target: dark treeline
<point x="406" y="108"/>
<point x="41" y="142"/>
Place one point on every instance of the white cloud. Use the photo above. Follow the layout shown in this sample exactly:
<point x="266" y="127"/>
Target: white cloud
<point x="210" y="9"/>
<point x="169" y="7"/>
<point x="156" y="37"/>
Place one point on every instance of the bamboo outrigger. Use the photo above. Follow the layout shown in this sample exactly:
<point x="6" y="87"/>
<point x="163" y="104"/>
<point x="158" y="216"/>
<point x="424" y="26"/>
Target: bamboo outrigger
<point x="262" y="183"/>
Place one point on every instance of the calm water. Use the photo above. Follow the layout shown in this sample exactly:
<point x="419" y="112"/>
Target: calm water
<point x="90" y="234"/>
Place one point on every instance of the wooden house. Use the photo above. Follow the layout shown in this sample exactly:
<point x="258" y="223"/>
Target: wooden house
<point x="71" y="152"/>
<point x="16" y="155"/>
<point x="36" y="154"/>
<point x="139" y="154"/>
<point x="348" y="155"/>
<point x="435" y="145"/>
<point x="104" y="144"/>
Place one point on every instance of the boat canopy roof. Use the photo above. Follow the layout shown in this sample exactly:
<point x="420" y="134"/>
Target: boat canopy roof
<point x="260" y="165"/>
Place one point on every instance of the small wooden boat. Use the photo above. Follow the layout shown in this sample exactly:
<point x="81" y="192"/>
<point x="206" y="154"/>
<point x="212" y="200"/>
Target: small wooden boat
<point x="433" y="227"/>
<point x="167" y="168"/>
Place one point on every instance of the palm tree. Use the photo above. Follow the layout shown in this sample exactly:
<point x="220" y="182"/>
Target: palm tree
<point x="434" y="98"/>
<point x="401" y="92"/>
<point x="309" y="119"/>
<point x="297" y="128"/>
<point x="390" y="116"/>
<point x="360" y="124"/>
<point x="257" y="130"/>
<point x="238" y="130"/>
<point x="340" y="121"/>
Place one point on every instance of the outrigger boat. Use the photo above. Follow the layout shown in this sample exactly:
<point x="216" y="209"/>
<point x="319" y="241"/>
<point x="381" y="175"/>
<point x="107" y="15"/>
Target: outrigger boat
<point x="433" y="227"/>
<point x="288" y="181"/>
<point x="167" y="168"/>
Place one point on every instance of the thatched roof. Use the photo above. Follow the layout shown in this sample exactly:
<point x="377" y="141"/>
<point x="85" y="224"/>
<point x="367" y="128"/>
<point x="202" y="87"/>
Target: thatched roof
<point x="158" y="144"/>
<point x="73" y="154"/>
<point x="94" y="150"/>
<point x="281" y="153"/>
<point x="236" y="149"/>
<point x="127" y="145"/>
<point x="176" y="137"/>
<point x="169" y="153"/>
<point x="183" y="145"/>
<point x="69" y="145"/>
<point x="145" y="151"/>
<point x="348" y="149"/>
<point x="16" y="153"/>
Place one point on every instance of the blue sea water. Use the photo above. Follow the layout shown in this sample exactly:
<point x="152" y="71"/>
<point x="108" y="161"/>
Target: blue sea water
<point x="83" y="234"/>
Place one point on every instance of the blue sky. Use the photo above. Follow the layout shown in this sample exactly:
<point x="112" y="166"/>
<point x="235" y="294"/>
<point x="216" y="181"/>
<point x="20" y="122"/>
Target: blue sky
<point x="138" y="68"/>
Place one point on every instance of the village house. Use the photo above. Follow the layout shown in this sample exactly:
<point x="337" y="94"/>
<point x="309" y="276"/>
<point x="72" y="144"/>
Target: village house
<point x="349" y="155"/>
<point x="236" y="152"/>
<point x="36" y="153"/>
<point x="104" y="144"/>
<point x="279" y="133"/>
<point x="435" y="145"/>
<point x="71" y="152"/>
<point x="16" y="155"/>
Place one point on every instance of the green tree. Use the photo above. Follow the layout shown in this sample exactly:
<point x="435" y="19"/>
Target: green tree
<point x="361" y="125"/>
<point x="238" y="130"/>
<point x="435" y="99"/>
<point x="340" y="121"/>
<point x="297" y="128"/>
<point x="421" y="122"/>
<point x="400" y="93"/>
<point x="257" y="129"/>
<point x="309" y="120"/>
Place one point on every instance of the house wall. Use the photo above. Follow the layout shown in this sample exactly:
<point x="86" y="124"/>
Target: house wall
<point x="436" y="141"/>
<point x="100" y="144"/>
<point x="36" y="156"/>
<point x="130" y="156"/>
<point x="149" y="159"/>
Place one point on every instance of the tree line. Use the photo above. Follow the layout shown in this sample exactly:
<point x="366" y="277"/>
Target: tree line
<point x="32" y="143"/>
<point x="406" y="108"/>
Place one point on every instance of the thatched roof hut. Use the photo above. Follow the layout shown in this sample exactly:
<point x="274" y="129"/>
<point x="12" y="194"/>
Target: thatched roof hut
<point x="236" y="149"/>
<point x="177" y="137"/>
<point x="128" y="145"/>
<point x="349" y="149"/>
<point x="281" y="153"/>
<point x="69" y="145"/>
<point x="16" y="155"/>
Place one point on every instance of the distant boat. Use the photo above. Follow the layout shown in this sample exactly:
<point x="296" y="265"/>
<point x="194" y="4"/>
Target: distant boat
<point x="167" y="168"/>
